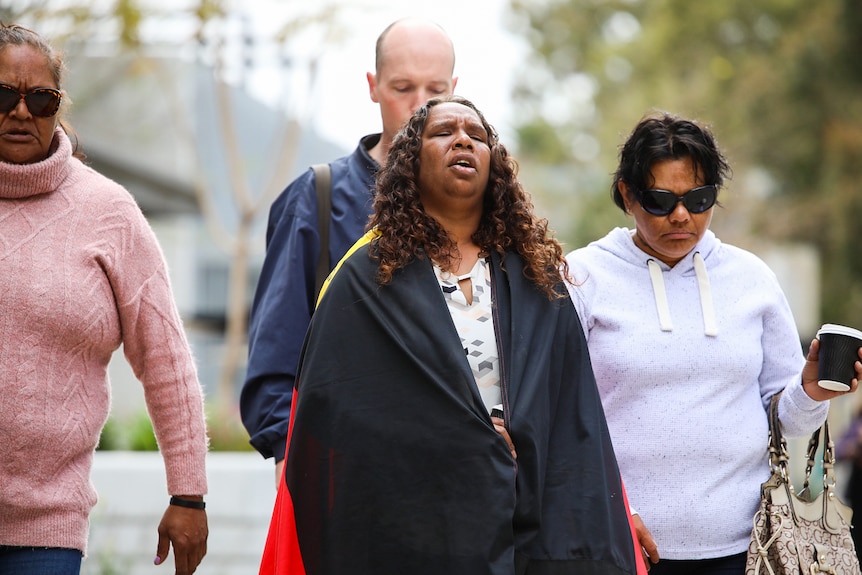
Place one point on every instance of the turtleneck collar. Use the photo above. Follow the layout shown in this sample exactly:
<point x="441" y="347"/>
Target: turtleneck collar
<point x="19" y="181"/>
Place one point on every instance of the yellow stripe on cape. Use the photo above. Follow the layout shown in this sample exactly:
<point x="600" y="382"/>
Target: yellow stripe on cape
<point x="365" y="239"/>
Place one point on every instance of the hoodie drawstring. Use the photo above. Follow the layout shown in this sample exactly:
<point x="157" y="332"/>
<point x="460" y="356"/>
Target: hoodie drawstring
<point x="710" y="328"/>
<point x="660" y="296"/>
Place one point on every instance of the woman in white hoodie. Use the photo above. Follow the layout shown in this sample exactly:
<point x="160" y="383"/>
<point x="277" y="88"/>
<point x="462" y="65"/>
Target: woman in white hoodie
<point x="689" y="339"/>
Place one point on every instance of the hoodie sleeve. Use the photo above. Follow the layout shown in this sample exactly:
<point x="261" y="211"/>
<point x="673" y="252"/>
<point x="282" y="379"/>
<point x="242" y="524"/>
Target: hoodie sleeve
<point x="783" y="361"/>
<point x="580" y="291"/>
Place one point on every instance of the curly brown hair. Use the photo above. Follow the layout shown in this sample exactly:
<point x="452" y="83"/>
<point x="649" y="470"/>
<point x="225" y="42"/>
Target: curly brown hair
<point x="508" y="223"/>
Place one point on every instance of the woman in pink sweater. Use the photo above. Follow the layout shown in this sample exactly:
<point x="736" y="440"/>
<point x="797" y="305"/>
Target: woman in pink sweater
<point x="80" y="273"/>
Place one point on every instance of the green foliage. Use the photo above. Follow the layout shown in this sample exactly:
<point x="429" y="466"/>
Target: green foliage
<point x="599" y="215"/>
<point x="84" y="20"/>
<point x="542" y="141"/>
<point x="225" y="429"/>
<point x="778" y="80"/>
<point x="140" y="433"/>
<point x="575" y="200"/>
<point x="111" y="437"/>
<point x="129" y="15"/>
<point x="135" y="432"/>
<point x="210" y="9"/>
<point x="107" y="562"/>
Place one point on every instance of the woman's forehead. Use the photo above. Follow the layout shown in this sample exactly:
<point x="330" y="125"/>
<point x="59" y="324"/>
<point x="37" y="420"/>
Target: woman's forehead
<point x="452" y="112"/>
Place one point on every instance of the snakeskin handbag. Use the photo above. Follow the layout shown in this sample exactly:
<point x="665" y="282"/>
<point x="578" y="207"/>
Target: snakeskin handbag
<point x="795" y="533"/>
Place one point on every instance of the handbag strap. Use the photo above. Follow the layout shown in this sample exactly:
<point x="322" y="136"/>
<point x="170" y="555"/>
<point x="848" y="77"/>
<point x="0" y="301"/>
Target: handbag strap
<point x="778" y="454"/>
<point x="779" y="457"/>
<point x="828" y="459"/>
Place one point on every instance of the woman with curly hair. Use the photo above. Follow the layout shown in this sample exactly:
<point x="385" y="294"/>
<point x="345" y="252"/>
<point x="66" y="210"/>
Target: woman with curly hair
<point x="446" y="417"/>
<point x="503" y="211"/>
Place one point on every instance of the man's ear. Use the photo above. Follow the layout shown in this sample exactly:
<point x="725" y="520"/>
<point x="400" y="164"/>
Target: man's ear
<point x="372" y="86"/>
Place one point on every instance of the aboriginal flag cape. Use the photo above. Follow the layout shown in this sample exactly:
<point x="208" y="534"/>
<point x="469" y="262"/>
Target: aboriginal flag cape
<point x="393" y="465"/>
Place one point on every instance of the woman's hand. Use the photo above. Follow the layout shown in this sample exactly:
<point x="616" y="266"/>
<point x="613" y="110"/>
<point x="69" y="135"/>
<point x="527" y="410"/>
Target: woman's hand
<point x="809" y="375"/>
<point x="279" y="472"/>
<point x="187" y="530"/>
<point x="500" y="426"/>
<point x="648" y="546"/>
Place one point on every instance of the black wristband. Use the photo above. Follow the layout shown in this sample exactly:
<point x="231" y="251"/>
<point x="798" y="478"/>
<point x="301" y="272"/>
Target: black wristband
<point x="190" y="503"/>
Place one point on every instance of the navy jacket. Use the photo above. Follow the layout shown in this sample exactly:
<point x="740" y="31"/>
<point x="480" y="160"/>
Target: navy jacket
<point x="285" y="296"/>
<point x="394" y="465"/>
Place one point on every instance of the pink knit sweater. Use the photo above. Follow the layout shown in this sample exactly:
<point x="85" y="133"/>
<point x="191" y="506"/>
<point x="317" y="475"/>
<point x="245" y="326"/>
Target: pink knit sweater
<point x="81" y="273"/>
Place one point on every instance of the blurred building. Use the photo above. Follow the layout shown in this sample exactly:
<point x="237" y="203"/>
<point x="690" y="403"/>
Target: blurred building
<point x="155" y="125"/>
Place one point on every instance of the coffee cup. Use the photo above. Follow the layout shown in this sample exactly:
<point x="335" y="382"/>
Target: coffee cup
<point x="839" y="347"/>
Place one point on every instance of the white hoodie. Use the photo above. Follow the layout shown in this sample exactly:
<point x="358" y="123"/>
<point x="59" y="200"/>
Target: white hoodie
<point x="686" y="359"/>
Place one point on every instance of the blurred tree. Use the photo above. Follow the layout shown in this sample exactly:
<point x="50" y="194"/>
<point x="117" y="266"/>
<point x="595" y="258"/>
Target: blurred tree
<point x="779" y="81"/>
<point x="80" y="18"/>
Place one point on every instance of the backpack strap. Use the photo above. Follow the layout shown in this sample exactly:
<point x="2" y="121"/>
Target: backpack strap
<point x="323" y="189"/>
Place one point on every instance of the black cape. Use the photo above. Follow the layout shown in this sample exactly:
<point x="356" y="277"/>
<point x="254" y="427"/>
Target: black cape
<point x="393" y="464"/>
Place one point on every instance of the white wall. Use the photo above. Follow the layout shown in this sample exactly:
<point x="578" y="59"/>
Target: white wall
<point x="133" y="496"/>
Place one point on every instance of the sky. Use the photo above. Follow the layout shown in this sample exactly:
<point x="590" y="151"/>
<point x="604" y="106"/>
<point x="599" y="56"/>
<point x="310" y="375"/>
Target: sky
<point x="339" y="107"/>
<point x="488" y="56"/>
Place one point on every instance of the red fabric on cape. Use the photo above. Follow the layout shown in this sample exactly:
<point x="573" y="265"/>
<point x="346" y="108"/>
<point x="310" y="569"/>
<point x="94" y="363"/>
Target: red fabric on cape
<point x="281" y="555"/>
<point x="639" y="556"/>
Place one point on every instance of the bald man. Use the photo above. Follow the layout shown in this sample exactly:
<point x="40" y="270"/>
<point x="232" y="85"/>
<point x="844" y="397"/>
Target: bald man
<point x="415" y="61"/>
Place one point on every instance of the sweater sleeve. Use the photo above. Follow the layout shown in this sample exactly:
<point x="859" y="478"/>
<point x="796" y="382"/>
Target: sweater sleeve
<point x="783" y="361"/>
<point x="155" y="344"/>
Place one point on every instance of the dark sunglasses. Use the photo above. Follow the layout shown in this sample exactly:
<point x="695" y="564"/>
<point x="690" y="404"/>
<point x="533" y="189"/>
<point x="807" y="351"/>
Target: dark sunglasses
<point x="663" y="202"/>
<point x="42" y="102"/>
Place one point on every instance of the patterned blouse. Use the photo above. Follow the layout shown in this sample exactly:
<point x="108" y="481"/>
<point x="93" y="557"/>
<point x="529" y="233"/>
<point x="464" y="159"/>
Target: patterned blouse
<point x="475" y="326"/>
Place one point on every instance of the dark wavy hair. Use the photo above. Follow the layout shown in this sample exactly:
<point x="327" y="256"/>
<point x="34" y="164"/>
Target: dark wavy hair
<point x="662" y="137"/>
<point x="15" y="35"/>
<point x="507" y="224"/>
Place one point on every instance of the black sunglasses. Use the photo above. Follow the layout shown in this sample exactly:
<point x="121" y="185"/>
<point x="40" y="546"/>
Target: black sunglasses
<point x="42" y="102"/>
<point x="663" y="202"/>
